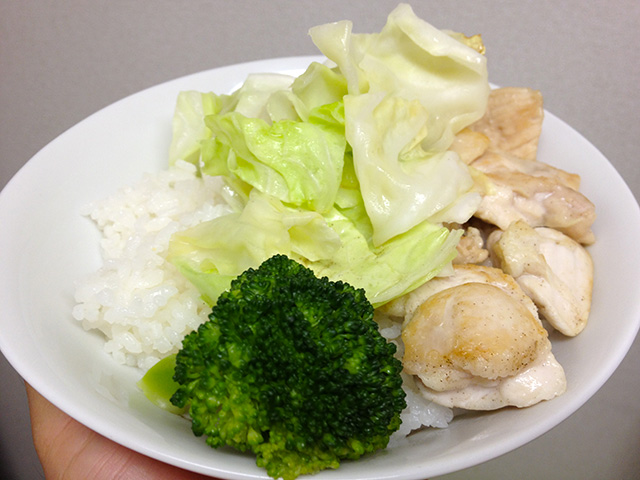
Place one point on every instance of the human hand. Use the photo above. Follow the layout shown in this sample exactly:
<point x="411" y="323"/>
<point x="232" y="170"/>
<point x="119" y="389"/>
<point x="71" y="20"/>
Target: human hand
<point x="70" y="451"/>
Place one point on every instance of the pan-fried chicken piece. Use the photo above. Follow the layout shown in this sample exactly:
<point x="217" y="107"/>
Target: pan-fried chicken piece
<point x="406" y="305"/>
<point x="471" y="248"/>
<point x="542" y="379"/>
<point x="513" y="121"/>
<point x="469" y="145"/>
<point x="475" y="341"/>
<point x="540" y="195"/>
<point x="495" y="162"/>
<point x="552" y="269"/>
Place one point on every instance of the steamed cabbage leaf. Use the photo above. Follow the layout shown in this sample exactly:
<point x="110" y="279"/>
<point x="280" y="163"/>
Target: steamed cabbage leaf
<point x="189" y="130"/>
<point x="345" y="168"/>
<point x="336" y="245"/>
<point x="300" y="163"/>
<point x="411" y="88"/>
<point x="213" y="253"/>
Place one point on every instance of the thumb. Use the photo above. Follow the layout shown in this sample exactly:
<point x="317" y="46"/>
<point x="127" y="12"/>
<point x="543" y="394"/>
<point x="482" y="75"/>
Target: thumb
<point x="68" y="450"/>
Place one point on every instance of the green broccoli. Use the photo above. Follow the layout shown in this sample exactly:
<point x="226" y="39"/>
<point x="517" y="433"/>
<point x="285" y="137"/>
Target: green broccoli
<point x="292" y="368"/>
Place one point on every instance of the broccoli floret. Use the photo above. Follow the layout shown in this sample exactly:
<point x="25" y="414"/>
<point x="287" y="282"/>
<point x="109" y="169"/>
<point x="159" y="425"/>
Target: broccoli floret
<point x="292" y="368"/>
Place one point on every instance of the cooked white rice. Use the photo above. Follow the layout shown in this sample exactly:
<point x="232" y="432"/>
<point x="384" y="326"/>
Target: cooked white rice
<point x="420" y="412"/>
<point x="142" y="304"/>
<point x="137" y="299"/>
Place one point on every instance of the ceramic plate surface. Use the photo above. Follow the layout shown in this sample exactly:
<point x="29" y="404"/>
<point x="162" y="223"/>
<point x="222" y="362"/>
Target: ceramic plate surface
<point x="46" y="245"/>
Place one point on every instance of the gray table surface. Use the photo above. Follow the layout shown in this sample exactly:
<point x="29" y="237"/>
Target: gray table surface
<point x="61" y="61"/>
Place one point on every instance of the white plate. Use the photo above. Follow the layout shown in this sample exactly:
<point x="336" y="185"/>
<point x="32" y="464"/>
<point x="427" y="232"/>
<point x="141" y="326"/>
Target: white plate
<point x="45" y="245"/>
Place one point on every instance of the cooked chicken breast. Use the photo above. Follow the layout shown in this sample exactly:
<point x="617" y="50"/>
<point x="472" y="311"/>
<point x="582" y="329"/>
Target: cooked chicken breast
<point x="493" y="161"/>
<point x="404" y="307"/>
<point x="540" y="195"/>
<point x="469" y="145"/>
<point x="471" y="248"/>
<point x="552" y="269"/>
<point x="475" y="341"/>
<point x="513" y="121"/>
<point x="543" y="379"/>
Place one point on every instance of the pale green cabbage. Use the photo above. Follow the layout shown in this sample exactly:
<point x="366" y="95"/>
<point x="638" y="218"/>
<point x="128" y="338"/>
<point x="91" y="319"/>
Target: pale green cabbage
<point x="412" y="87"/>
<point x="188" y="125"/>
<point x="345" y="168"/>
<point x="298" y="162"/>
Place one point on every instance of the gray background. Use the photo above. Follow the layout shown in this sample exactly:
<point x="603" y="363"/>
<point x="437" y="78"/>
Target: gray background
<point x="62" y="60"/>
